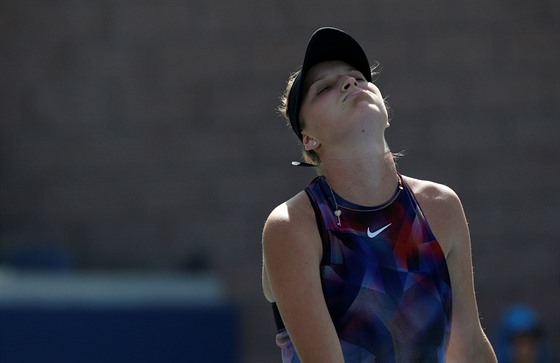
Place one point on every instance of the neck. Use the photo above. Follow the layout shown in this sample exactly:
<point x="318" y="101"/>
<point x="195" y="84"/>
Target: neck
<point x="368" y="179"/>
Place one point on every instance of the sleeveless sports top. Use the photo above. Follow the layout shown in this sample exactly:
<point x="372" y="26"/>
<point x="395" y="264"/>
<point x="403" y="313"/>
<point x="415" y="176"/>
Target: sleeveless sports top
<point x="384" y="277"/>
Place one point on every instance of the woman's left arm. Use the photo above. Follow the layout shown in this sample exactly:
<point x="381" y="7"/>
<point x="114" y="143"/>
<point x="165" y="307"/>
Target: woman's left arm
<point x="446" y="217"/>
<point x="468" y="343"/>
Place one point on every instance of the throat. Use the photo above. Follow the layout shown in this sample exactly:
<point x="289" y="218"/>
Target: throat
<point x="367" y="184"/>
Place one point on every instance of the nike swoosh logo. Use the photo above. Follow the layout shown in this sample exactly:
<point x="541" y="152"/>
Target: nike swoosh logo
<point x="376" y="233"/>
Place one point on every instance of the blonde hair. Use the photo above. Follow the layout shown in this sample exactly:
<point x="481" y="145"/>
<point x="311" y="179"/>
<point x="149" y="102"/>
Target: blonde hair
<point x="309" y="156"/>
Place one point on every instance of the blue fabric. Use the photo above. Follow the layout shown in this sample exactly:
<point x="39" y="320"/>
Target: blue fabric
<point x="385" y="280"/>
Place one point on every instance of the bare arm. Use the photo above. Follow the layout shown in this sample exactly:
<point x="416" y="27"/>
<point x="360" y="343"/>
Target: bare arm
<point x="468" y="342"/>
<point x="444" y="211"/>
<point x="291" y="276"/>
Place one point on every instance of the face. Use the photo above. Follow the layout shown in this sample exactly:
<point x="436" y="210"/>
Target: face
<point x="339" y="102"/>
<point x="525" y="348"/>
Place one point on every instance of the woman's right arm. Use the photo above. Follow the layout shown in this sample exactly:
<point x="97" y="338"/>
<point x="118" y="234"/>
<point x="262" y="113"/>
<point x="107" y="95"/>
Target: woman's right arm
<point x="292" y="253"/>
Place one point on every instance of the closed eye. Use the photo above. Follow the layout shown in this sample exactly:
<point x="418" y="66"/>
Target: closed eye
<point x="323" y="89"/>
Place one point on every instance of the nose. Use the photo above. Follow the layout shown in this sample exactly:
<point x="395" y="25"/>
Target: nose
<point x="348" y="82"/>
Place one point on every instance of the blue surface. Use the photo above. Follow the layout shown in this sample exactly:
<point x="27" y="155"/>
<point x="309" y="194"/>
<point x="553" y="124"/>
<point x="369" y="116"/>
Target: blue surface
<point x="119" y="335"/>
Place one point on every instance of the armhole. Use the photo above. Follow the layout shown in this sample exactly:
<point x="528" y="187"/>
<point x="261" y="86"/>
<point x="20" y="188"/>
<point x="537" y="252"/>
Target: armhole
<point x="277" y="317"/>
<point x="422" y="214"/>
<point x="320" y="226"/>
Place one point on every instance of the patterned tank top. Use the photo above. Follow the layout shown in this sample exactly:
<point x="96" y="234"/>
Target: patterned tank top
<point x="384" y="277"/>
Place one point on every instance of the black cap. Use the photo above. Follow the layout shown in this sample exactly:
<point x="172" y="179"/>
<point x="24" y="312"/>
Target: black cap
<point x="325" y="44"/>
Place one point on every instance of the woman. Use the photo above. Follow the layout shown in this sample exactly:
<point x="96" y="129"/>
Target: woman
<point x="364" y="265"/>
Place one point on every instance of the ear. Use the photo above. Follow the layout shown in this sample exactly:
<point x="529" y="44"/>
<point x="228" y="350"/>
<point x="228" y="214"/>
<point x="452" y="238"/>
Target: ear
<point x="309" y="143"/>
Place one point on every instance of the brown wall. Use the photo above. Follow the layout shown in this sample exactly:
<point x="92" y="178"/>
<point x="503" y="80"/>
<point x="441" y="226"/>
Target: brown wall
<point x="134" y="133"/>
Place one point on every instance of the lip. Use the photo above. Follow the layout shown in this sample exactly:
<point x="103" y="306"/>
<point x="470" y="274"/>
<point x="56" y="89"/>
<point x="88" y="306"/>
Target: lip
<point x="356" y="91"/>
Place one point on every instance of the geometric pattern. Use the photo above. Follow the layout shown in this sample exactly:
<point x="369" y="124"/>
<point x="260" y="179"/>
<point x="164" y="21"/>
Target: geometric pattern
<point x="389" y="296"/>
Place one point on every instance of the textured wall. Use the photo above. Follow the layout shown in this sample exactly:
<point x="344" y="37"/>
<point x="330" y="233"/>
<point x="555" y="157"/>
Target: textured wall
<point x="138" y="133"/>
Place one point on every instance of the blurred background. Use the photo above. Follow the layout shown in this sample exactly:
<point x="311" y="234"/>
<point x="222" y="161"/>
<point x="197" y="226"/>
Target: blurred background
<point x="141" y="152"/>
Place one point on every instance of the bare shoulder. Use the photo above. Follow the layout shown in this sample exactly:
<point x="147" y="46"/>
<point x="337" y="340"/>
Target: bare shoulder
<point x="289" y="217"/>
<point x="435" y="198"/>
<point x="431" y="192"/>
